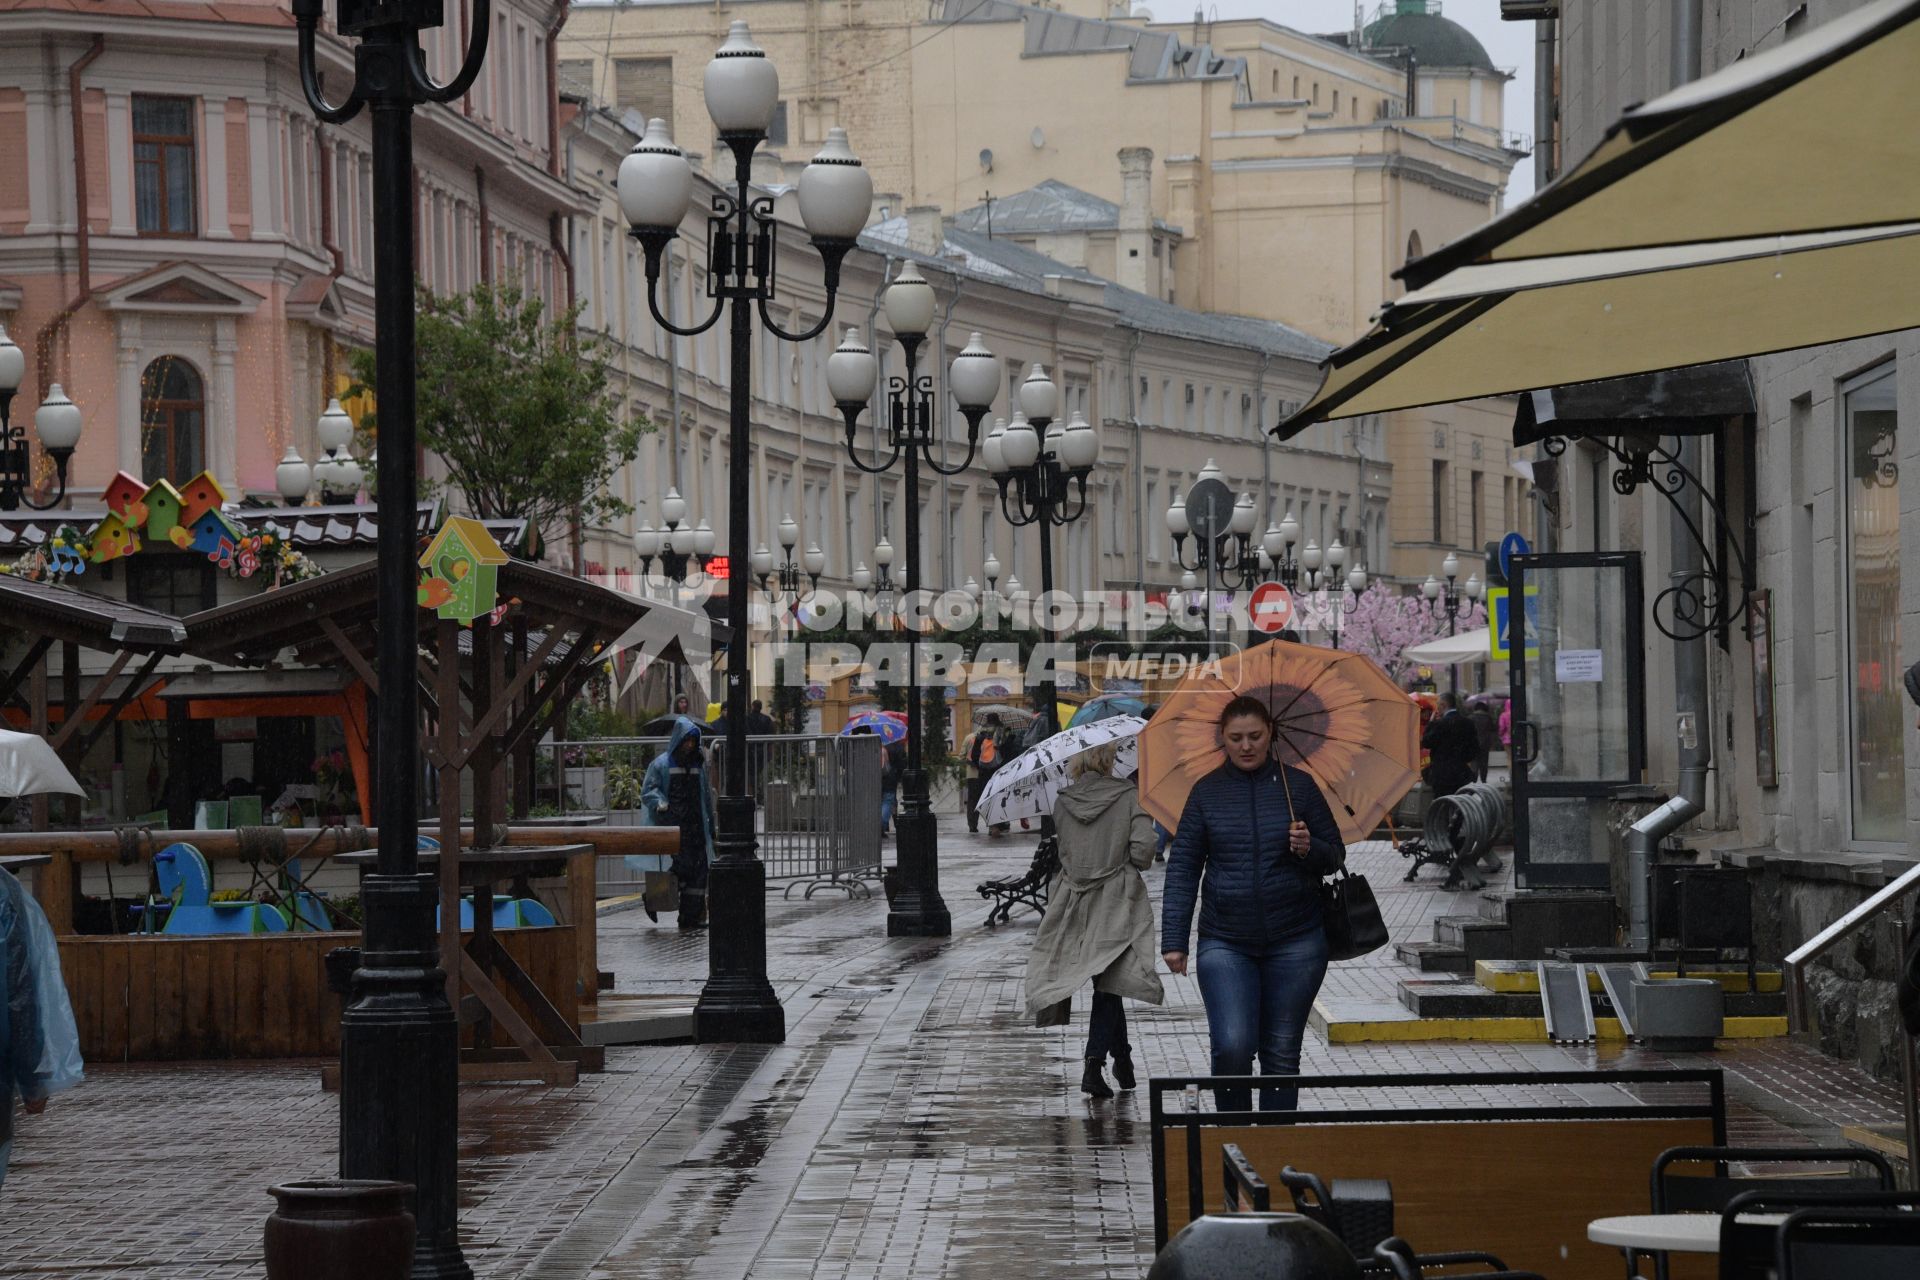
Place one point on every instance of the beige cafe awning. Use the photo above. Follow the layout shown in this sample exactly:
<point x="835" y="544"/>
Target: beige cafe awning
<point x="1772" y="205"/>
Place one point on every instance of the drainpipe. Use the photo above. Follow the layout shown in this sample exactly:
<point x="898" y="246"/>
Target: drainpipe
<point x="1689" y="656"/>
<point x="486" y="224"/>
<point x="576" y="532"/>
<point x="1139" y="478"/>
<point x="43" y="341"/>
<point x="1266" y="457"/>
<point x="553" y="85"/>
<point x="1546" y="76"/>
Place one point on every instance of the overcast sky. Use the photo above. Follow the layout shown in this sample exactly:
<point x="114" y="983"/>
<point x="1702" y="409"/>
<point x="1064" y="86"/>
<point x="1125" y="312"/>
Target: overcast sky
<point x="1510" y="44"/>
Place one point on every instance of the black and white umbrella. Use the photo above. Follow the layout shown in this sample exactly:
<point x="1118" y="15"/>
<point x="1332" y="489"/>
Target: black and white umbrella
<point x="1030" y="784"/>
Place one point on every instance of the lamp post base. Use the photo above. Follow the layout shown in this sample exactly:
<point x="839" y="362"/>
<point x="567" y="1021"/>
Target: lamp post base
<point x="918" y="910"/>
<point x="737" y="1006"/>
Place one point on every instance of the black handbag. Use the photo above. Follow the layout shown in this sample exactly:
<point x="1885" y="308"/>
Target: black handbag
<point x="1352" y="914"/>
<point x="1354" y="925"/>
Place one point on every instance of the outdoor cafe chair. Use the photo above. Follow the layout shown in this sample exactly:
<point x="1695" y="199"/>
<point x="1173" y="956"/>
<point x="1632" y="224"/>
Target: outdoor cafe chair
<point x="1395" y="1257"/>
<point x="1847" y="1244"/>
<point x="1748" y="1249"/>
<point x="1677" y="1192"/>
<point x="1358" y="1210"/>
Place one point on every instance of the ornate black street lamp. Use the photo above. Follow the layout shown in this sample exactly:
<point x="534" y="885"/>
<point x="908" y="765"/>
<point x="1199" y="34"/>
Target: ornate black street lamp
<point x="1450" y="595"/>
<point x="1222" y="531"/>
<point x="835" y="196"/>
<point x="399" y="1040"/>
<point x="58" y="422"/>
<point x="785" y="576"/>
<point x="913" y="434"/>
<point x="678" y="550"/>
<point x="1042" y="469"/>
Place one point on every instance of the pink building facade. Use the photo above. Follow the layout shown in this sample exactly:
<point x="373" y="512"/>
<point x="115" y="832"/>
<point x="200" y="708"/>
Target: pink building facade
<point x="198" y="311"/>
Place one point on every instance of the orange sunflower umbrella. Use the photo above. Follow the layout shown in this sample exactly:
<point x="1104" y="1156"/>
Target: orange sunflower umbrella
<point x="1335" y="714"/>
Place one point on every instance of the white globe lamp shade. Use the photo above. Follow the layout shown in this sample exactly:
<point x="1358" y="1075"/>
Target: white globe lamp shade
<point x="762" y="561"/>
<point x="1039" y="398"/>
<point x="991" y="452"/>
<point x="835" y="191"/>
<point x="910" y="303"/>
<point x="1475" y="588"/>
<point x="1450" y="567"/>
<point x="1211" y="472"/>
<point x="1311" y="556"/>
<point x="703" y="539"/>
<point x="655" y="184"/>
<point x="1056" y="436"/>
<point x="1188" y="582"/>
<point x="1273" y="543"/>
<point x="862" y="577"/>
<point x="347" y="472"/>
<point x="13" y="363"/>
<point x="974" y="375"/>
<point x="1430" y="588"/>
<point x="1337" y="556"/>
<point x="293" y="477"/>
<point x="1243" y="516"/>
<point x="646" y="541"/>
<point x="1357" y="579"/>
<point x="1020" y="446"/>
<point x="883" y="553"/>
<point x="972" y="587"/>
<point x="742" y="85"/>
<point x="334" y="430"/>
<point x="815" y="560"/>
<point x="1177" y="518"/>
<point x="673" y="507"/>
<point x="1014" y="589"/>
<point x="1082" y="447"/>
<point x="789" y="533"/>
<point x="992" y="569"/>
<point x="851" y="371"/>
<point x="1289" y="531"/>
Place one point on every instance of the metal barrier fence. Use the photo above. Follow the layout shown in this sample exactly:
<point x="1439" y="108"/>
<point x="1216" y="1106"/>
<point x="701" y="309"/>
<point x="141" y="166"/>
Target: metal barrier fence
<point x="818" y="804"/>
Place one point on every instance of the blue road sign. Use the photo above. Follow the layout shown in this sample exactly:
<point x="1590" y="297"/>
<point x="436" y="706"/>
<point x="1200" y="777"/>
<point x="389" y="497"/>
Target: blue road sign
<point x="1510" y="546"/>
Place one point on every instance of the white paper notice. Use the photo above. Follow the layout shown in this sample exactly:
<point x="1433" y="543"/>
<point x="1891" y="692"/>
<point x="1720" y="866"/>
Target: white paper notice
<point x="1576" y="666"/>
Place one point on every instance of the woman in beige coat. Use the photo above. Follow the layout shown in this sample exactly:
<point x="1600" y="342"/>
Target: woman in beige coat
<point x="1099" y="924"/>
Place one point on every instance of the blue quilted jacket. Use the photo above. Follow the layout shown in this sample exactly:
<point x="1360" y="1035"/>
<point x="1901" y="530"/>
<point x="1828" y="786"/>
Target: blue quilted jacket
<point x="1231" y="853"/>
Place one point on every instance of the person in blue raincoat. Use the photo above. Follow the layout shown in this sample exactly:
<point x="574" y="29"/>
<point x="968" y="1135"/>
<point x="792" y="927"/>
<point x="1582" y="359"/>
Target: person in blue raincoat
<point x="39" y="1044"/>
<point x="676" y="792"/>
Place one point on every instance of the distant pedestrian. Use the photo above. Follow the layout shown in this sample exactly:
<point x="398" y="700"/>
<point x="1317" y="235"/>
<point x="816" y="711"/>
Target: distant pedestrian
<point x="759" y="725"/>
<point x="39" y="1046"/>
<point x="677" y="793"/>
<point x="1506" y="728"/>
<point x="1486" y="733"/>
<point x="980" y="753"/>
<point x="1451" y="744"/>
<point x="891" y="766"/>
<point x="1099" y="922"/>
<point x="681" y="706"/>
<point x="1263" y="836"/>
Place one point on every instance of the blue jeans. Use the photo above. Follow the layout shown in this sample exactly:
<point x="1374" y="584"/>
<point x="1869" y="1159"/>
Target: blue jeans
<point x="886" y="810"/>
<point x="1258" y="1000"/>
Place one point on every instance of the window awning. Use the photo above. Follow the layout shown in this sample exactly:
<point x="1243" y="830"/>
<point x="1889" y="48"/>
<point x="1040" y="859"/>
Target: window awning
<point x="1671" y="402"/>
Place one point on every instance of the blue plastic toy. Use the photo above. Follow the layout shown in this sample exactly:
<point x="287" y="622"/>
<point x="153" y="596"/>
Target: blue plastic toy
<point x="182" y="873"/>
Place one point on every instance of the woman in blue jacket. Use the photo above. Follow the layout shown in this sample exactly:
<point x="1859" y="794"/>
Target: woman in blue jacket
<point x="1263" y="836"/>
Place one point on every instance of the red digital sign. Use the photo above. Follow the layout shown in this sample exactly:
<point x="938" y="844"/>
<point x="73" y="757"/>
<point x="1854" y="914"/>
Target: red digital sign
<point x="719" y="569"/>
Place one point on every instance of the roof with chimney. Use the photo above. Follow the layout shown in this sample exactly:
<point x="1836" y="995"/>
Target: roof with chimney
<point x="1050" y="208"/>
<point x="1015" y="266"/>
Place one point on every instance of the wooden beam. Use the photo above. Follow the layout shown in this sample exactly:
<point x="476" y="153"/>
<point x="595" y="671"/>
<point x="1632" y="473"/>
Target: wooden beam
<point x="351" y="652"/>
<point x="477" y="981"/>
<point x="137" y="686"/>
<point x="503" y="699"/>
<point x="35" y="652"/>
<point x="77" y="716"/>
<point x="561" y="682"/>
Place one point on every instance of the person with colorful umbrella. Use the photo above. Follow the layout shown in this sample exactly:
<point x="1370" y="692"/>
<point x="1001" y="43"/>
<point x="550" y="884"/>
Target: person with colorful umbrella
<point x="1099" y="922"/>
<point x="1262" y="836"/>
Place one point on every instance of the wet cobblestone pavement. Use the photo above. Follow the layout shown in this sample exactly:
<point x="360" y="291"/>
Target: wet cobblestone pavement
<point x="912" y="1125"/>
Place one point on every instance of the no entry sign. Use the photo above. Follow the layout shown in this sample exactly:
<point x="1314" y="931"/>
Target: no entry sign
<point x="1270" y="608"/>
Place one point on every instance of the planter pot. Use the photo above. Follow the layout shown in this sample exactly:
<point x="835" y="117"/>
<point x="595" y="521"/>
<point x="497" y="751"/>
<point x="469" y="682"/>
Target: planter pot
<point x="327" y="1228"/>
<point x="1255" y="1246"/>
<point x="586" y="787"/>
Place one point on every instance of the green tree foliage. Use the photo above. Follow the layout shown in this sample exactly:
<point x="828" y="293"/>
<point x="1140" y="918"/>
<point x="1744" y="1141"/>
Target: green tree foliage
<point x="516" y="404"/>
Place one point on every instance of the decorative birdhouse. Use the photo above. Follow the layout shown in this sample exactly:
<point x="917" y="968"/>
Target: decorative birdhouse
<point x="461" y="565"/>
<point x="114" y="539"/>
<point x="163" y="510"/>
<point x="123" y="496"/>
<point x="214" y="536"/>
<point x="199" y="496"/>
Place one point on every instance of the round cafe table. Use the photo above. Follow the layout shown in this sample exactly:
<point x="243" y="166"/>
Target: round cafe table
<point x="1669" y="1232"/>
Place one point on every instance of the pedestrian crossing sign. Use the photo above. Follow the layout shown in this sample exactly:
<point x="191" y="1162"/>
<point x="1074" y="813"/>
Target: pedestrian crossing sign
<point x="1499" y="615"/>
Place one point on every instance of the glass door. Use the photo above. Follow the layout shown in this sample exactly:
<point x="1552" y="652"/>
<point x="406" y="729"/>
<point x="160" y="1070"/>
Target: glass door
<point x="1579" y="714"/>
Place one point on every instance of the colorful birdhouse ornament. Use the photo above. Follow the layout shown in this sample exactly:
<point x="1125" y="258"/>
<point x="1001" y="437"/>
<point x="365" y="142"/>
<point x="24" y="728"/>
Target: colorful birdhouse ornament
<point x="163" y="511"/>
<point x="215" y="537"/>
<point x="461" y="563"/>
<point x="199" y="496"/>
<point x="113" y="539"/>
<point x="124" y="497"/>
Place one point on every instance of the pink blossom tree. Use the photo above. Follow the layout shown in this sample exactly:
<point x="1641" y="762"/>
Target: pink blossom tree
<point x="1384" y="624"/>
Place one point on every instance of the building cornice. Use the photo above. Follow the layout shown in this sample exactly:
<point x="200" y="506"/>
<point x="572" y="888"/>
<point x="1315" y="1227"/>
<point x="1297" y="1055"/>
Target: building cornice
<point x="1424" y="172"/>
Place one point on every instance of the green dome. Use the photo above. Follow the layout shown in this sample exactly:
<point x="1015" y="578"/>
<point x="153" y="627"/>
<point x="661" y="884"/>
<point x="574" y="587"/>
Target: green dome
<point x="1435" y="41"/>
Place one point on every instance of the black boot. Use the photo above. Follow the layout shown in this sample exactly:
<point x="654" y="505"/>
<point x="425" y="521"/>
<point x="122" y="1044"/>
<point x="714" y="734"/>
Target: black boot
<point x="693" y="910"/>
<point x="1123" y="1068"/>
<point x="1092" y="1082"/>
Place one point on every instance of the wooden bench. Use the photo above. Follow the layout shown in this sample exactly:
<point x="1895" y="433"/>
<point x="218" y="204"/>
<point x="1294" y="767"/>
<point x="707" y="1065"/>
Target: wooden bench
<point x="1030" y="888"/>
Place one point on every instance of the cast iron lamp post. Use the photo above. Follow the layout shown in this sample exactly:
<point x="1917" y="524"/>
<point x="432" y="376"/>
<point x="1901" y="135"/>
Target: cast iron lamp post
<point x="58" y="422"/>
<point x="1223" y="549"/>
<point x="913" y="434"/>
<point x="335" y="475"/>
<point x="787" y="573"/>
<point x="835" y="195"/>
<point x="1347" y="600"/>
<point x="1036" y="462"/>
<point x="1277" y="544"/>
<point x="399" y="1039"/>
<point x="678" y="550"/>
<point x="1434" y="591"/>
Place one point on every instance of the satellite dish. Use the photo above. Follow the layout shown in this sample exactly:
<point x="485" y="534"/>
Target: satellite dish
<point x="1038" y="137"/>
<point x="986" y="159"/>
